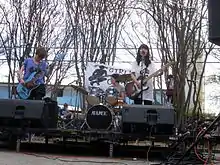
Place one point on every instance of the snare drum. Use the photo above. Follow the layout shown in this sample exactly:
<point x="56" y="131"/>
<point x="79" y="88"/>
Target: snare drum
<point x="95" y="96"/>
<point x="118" y="106"/>
<point x="99" y="117"/>
<point x="111" y="95"/>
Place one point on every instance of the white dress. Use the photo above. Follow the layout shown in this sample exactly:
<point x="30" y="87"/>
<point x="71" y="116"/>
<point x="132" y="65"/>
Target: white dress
<point x="147" y="94"/>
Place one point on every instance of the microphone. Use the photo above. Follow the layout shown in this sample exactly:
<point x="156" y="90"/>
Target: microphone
<point x="142" y="57"/>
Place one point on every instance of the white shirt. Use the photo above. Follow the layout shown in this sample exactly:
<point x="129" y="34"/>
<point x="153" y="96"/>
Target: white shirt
<point x="147" y="94"/>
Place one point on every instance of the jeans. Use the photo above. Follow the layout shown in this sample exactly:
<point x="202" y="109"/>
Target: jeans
<point x="38" y="93"/>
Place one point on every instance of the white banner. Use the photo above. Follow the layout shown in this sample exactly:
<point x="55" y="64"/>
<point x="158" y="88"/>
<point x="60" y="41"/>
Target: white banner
<point x="99" y="75"/>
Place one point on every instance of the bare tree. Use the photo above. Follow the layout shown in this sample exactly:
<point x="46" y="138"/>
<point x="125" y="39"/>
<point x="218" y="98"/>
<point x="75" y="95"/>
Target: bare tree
<point x="30" y="24"/>
<point x="213" y="80"/>
<point x="97" y="25"/>
<point x="181" y="37"/>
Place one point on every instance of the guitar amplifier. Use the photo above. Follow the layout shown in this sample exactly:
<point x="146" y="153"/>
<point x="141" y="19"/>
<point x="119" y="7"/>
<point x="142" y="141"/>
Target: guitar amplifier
<point x="148" y="119"/>
<point x="18" y="113"/>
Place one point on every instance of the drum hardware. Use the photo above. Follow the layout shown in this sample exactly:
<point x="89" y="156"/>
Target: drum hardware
<point x="95" y="96"/>
<point x="111" y="95"/>
<point x="118" y="106"/>
<point x="112" y="99"/>
<point x="117" y="122"/>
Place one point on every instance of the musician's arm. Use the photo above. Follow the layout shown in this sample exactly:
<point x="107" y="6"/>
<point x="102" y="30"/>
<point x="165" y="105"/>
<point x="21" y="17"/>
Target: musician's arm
<point x="160" y="74"/>
<point x="20" y="74"/>
<point x="154" y="69"/>
<point x="122" y="95"/>
<point x="133" y="77"/>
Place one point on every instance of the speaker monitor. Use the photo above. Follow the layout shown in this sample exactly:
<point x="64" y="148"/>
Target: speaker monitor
<point x="28" y="113"/>
<point x="214" y="21"/>
<point x="148" y="119"/>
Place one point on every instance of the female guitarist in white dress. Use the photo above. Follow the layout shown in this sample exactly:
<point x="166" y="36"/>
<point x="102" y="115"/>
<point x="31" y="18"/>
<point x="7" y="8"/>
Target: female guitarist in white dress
<point x="142" y="68"/>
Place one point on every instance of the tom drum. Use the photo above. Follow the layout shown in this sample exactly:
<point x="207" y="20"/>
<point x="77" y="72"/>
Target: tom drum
<point x="111" y="95"/>
<point x="95" y="95"/>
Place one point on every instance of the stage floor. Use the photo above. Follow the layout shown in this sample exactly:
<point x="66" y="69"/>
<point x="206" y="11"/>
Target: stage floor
<point x="9" y="158"/>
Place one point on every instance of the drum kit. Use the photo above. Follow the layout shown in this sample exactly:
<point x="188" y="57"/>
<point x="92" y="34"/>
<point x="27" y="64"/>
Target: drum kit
<point x="104" y="107"/>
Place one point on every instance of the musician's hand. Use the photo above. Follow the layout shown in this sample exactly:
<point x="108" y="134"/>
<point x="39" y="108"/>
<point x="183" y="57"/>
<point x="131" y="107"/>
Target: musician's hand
<point x="138" y="84"/>
<point x="29" y="84"/>
<point x="135" y="80"/>
<point x="21" y="81"/>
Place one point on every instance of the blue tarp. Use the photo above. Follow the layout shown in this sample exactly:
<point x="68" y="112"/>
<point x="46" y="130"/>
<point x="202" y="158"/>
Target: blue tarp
<point x="70" y="100"/>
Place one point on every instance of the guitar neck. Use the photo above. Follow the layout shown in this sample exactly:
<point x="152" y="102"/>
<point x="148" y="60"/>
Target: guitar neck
<point x="158" y="71"/>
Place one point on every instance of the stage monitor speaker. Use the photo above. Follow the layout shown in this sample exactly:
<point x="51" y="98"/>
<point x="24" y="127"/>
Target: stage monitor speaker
<point x="28" y="113"/>
<point x="148" y="119"/>
<point x="214" y="21"/>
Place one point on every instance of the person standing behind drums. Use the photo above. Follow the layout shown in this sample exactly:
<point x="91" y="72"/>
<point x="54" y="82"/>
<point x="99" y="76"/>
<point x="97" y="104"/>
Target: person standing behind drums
<point x="120" y="89"/>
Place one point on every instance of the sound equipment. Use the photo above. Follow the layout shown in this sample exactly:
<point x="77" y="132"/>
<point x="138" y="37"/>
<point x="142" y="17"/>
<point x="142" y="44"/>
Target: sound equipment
<point x="214" y="21"/>
<point x="18" y="113"/>
<point x="198" y="139"/>
<point x="95" y="96"/>
<point x="148" y="119"/>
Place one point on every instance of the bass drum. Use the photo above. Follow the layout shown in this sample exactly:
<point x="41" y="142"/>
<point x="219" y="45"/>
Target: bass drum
<point x="99" y="117"/>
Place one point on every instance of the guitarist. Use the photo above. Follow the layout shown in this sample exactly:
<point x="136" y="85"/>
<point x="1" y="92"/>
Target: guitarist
<point x="141" y="68"/>
<point x="31" y="65"/>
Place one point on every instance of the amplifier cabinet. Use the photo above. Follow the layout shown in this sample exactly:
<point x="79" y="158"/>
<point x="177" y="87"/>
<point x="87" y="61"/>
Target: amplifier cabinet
<point x="214" y="21"/>
<point x="148" y="119"/>
<point x="28" y="113"/>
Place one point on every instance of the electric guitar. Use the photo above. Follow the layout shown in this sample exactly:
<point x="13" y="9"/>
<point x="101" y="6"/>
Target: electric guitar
<point x="24" y="90"/>
<point x="133" y="91"/>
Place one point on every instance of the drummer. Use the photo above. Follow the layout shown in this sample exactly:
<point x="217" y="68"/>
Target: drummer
<point x="118" y="87"/>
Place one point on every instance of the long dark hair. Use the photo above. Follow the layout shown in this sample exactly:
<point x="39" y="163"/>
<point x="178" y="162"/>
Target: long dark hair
<point x="147" y="60"/>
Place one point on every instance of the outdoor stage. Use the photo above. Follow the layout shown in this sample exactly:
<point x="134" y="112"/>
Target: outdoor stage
<point x="132" y="127"/>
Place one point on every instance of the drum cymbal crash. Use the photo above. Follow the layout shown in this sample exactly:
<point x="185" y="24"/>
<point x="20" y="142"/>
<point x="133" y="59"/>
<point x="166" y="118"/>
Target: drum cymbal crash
<point x="124" y="78"/>
<point x="80" y="89"/>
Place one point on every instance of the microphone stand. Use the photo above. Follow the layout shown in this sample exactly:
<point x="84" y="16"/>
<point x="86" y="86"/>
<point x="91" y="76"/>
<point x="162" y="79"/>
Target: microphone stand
<point x="142" y="79"/>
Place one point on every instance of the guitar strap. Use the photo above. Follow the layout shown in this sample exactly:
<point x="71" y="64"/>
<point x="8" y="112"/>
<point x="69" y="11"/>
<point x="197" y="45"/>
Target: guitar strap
<point x="38" y="70"/>
<point x="38" y="67"/>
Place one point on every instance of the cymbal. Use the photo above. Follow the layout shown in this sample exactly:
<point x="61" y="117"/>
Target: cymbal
<point x="124" y="78"/>
<point x="80" y="89"/>
<point x="92" y="100"/>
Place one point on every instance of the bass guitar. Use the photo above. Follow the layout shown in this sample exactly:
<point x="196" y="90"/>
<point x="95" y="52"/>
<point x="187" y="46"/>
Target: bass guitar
<point x="133" y="91"/>
<point x="24" y="89"/>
